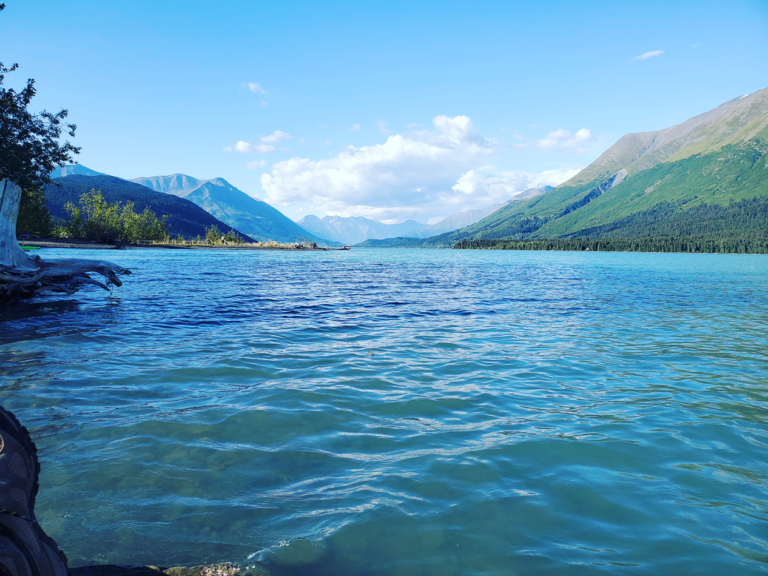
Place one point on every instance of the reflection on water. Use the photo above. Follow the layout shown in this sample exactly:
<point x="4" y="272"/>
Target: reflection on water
<point x="404" y="412"/>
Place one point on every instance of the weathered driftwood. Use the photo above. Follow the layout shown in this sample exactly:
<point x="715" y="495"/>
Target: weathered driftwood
<point x="24" y="276"/>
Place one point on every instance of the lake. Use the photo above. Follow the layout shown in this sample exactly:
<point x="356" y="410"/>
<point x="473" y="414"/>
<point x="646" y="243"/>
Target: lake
<point x="425" y="412"/>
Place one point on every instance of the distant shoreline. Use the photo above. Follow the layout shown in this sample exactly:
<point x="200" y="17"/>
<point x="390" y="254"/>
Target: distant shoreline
<point x="85" y="244"/>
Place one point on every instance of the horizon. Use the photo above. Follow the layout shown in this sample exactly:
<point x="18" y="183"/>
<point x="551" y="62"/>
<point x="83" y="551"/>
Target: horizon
<point x="433" y="112"/>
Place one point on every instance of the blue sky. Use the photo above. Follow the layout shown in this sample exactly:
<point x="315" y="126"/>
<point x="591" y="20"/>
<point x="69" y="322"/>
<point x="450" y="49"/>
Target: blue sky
<point x="446" y="105"/>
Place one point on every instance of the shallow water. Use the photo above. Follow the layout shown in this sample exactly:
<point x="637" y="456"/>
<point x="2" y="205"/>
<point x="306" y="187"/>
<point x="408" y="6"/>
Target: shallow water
<point x="403" y="412"/>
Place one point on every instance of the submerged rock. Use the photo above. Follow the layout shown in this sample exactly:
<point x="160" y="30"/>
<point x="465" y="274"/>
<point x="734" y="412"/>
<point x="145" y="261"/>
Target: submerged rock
<point x="224" y="569"/>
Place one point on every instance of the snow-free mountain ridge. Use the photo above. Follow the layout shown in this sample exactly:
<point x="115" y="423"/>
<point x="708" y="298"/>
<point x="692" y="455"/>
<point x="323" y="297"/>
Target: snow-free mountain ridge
<point x="232" y="206"/>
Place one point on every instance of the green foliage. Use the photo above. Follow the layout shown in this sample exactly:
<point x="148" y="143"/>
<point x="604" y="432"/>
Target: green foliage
<point x="97" y="219"/>
<point x="685" y="226"/>
<point x="687" y="218"/>
<point x="29" y="143"/>
<point x="34" y="217"/>
<point x="232" y="237"/>
<point x="214" y="236"/>
<point x="747" y="244"/>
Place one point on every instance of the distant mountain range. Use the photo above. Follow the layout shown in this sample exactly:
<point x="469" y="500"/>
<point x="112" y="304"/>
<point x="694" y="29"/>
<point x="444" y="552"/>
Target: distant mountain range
<point x="184" y="217"/>
<point x="705" y="177"/>
<point x="356" y="229"/>
<point x="232" y="206"/>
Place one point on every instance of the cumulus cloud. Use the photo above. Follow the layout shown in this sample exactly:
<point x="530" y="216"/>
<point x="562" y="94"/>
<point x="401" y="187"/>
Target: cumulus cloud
<point x="354" y="128"/>
<point x="650" y="54"/>
<point x="276" y="136"/>
<point x="564" y="142"/>
<point x="407" y="176"/>
<point x="499" y="187"/>
<point x="245" y="147"/>
<point x="255" y="164"/>
<point x="256" y="88"/>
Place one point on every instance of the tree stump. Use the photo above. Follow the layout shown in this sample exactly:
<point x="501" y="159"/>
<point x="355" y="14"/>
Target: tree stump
<point x="22" y="276"/>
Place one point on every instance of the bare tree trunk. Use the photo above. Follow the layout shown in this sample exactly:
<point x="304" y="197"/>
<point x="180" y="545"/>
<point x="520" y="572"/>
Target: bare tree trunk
<point x="11" y="254"/>
<point x="24" y="276"/>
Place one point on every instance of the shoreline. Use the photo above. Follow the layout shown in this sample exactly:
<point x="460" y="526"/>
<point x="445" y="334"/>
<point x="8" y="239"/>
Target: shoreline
<point x="86" y="244"/>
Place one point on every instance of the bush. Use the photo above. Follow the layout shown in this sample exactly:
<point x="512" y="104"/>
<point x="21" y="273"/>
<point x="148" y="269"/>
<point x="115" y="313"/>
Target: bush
<point x="97" y="219"/>
<point x="214" y="236"/>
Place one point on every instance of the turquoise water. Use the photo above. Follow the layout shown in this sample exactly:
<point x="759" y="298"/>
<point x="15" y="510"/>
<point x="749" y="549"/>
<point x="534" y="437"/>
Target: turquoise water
<point x="403" y="412"/>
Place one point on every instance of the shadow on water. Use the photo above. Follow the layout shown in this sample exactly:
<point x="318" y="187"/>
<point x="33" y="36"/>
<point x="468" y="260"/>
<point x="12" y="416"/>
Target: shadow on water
<point x="40" y="319"/>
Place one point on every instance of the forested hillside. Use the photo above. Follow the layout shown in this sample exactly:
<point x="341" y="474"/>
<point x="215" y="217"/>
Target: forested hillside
<point x="706" y="177"/>
<point x="184" y="217"/>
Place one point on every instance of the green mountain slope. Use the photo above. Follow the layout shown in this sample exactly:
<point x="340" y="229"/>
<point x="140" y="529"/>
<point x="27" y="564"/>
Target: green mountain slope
<point x="184" y="217"/>
<point x="712" y="160"/>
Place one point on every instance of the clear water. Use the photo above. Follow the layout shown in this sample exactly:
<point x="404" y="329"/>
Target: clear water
<point x="404" y="412"/>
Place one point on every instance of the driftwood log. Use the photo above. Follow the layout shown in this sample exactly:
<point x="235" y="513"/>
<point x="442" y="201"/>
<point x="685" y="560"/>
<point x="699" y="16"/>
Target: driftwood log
<point x="24" y="276"/>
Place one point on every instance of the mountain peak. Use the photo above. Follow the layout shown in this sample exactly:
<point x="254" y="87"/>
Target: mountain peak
<point x="73" y="170"/>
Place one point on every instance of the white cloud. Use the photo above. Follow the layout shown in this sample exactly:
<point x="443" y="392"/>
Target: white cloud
<point x="354" y="128"/>
<point x="564" y="142"/>
<point x="246" y="147"/>
<point x="276" y="136"/>
<point x="502" y="186"/>
<point x="264" y="104"/>
<point x="256" y="88"/>
<point x="650" y="54"/>
<point x="407" y="176"/>
<point x="255" y="164"/>
<point x="383" y="128"/>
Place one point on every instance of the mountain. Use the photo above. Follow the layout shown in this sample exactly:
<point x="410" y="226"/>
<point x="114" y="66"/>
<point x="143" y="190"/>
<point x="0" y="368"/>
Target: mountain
<point x="455" y="221"/>
<point x="74" y="170"/>
<point x="232" y="206"/>
<point x="707" y="175"/>
<point x="184" y="217"/>
<point x="355" y="229"/>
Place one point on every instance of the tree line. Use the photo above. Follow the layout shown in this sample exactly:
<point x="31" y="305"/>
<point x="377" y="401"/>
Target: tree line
<point x="746" y="244"/>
